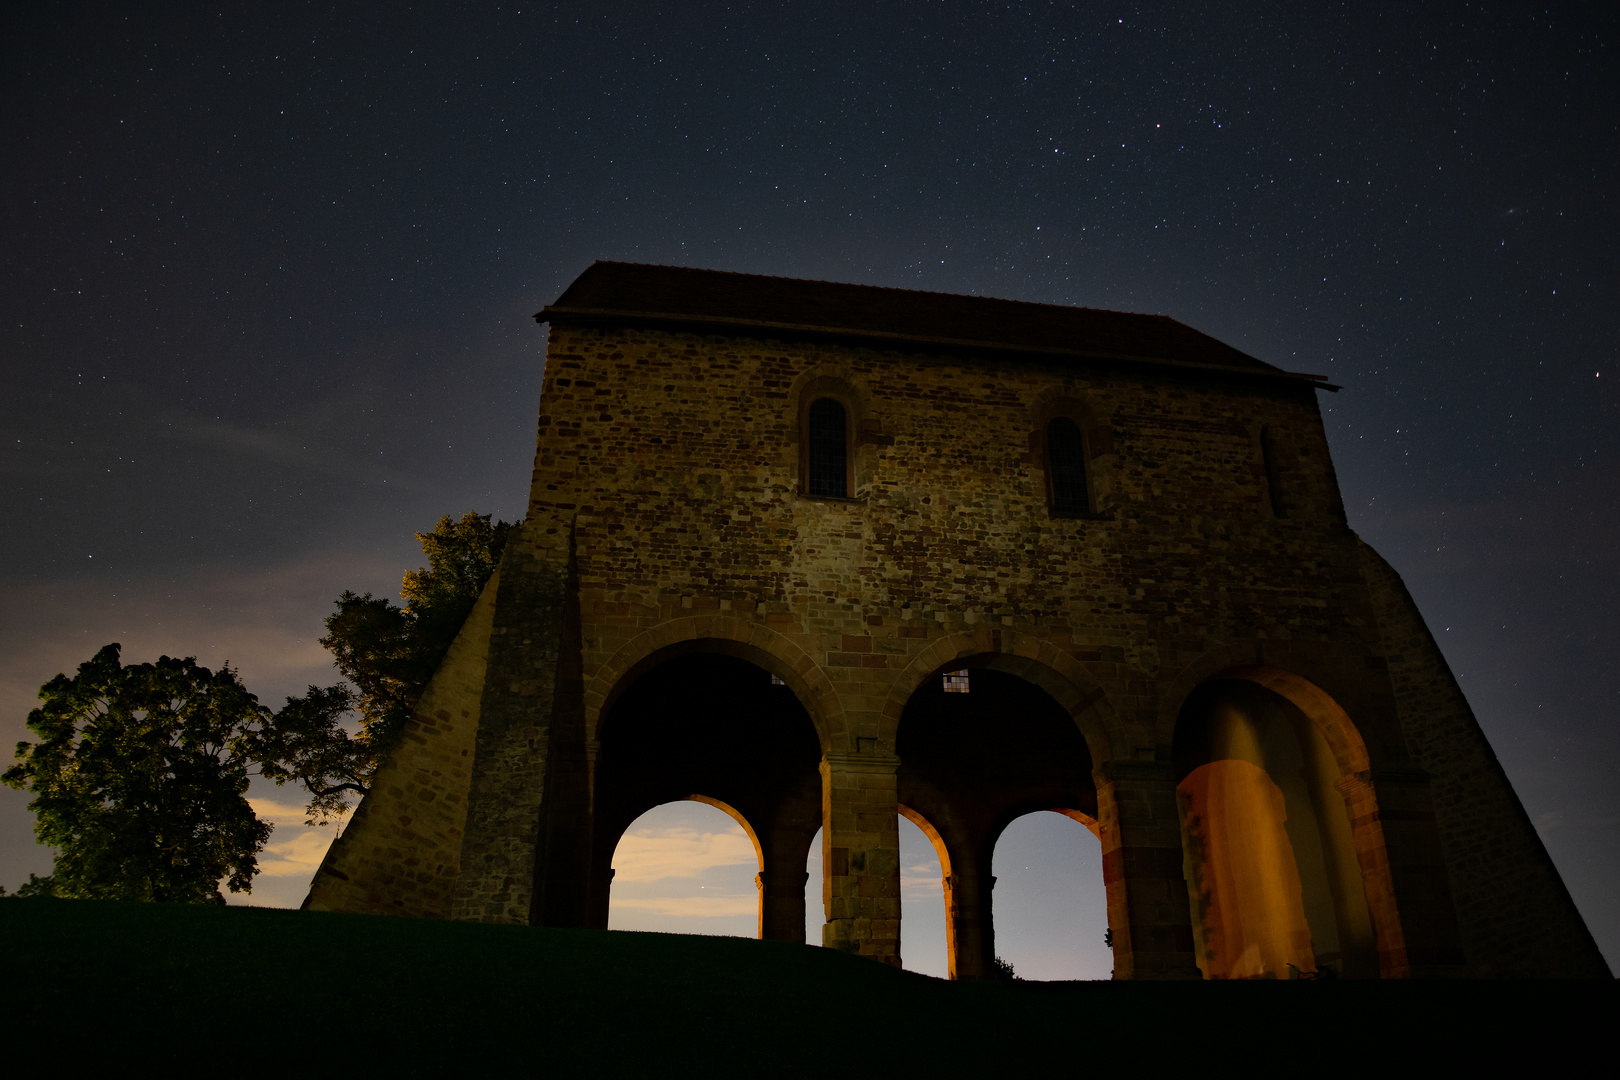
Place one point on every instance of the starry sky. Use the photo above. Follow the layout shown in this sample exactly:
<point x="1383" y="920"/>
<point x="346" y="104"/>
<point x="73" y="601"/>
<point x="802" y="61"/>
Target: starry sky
<point x="269" y="277"/>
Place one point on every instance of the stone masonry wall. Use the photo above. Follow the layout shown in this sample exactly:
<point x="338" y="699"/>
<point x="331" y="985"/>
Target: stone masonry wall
<point x="1516" y="917"/>
<point x="665" y="510"/>
<point x="400" y="854"/>
<point x="674" y="458"/>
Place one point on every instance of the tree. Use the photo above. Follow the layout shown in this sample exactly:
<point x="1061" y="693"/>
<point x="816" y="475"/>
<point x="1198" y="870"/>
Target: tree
<point x="34" y="886"/>
<point x="308" y="744"/>
<point x="389" y="654"/>
<point x="140" y="779"/>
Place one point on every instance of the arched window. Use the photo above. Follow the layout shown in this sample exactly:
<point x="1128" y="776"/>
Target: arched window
<point x="1066" y="467"/>
<point x="827" y="450"/>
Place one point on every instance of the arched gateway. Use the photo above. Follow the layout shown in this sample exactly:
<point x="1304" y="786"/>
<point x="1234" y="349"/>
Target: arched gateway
<point x="824" y="555"/>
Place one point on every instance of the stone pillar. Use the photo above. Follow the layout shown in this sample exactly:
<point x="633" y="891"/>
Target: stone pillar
<point x="860" y="812"/>
<point x="785" y="834"/>
<point x="970" y="930"/>
<point x="1404" y="871"/>
<point x="781" y="903"/>
<point x="1148" y="911"/>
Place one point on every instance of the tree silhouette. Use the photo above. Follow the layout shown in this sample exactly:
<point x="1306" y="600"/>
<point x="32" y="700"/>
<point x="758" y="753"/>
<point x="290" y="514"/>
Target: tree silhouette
<point x="139" y="780"/>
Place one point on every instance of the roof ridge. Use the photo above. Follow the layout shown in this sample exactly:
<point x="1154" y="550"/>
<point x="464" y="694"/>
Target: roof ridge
<point x="897" y="289"/>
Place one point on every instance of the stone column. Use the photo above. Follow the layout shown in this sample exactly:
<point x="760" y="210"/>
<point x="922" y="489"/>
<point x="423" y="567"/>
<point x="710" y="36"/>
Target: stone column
<point x="970" y="930"/>
<point x="1142" y="866"/>
<point x="781" y="902"/>
<point x="1403" y="868"/>
<point x="785" y="829"/>
<point x="861" y="855"/>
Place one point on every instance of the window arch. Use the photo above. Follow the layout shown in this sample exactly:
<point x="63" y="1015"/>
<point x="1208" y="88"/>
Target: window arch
<point x="827" y="456"/>
<point x="1066" y="484"/>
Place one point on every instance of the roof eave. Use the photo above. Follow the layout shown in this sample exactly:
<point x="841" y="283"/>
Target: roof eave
<point x="555" y="314"/>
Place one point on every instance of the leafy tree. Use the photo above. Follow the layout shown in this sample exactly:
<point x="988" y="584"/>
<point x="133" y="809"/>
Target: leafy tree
<point x="308" y="744"/>
<point x="140" y="779"/>
<point x="35" y="886"/>
<point x="389" y="654"/>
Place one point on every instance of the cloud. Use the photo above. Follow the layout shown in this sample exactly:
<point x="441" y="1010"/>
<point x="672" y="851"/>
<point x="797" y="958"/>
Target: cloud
<point x="655" y="854"/>
<point x="290" y="814"/>
<point x="922" y="880"/>
<point x="265" y="622"/>
<point x="712" y="906"/>
<point x="295" y="849"/>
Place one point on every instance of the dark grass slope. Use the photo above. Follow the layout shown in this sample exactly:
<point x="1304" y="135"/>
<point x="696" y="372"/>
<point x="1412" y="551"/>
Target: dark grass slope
<point x="233" y="991"/>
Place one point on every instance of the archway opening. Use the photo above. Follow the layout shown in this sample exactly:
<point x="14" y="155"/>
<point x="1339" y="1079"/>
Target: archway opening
<point x="1274" y="883"/>
<point x="923" y="937"/>
<point x="815" y="908"/>
<point x="717" y="728"/>
<point x="685" y="868"/>
<point x="980" y="747"/>
<point x="1051" y="903"/>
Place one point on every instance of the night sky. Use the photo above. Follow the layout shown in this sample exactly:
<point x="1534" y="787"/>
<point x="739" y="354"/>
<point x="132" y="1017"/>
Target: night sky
<point x="270" y="277"/>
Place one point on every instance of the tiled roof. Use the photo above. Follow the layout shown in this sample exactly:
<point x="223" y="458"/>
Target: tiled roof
<point x="614" y="292"/>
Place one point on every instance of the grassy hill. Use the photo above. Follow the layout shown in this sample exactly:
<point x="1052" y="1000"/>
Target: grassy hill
<point x="261" y="992"/>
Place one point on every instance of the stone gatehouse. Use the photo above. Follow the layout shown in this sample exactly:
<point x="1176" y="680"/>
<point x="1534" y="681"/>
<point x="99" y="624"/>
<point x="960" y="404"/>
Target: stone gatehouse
<point x="776" y="526"/>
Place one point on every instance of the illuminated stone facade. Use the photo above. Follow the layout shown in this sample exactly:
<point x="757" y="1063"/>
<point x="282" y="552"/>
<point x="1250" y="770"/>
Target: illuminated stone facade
<point x="1178" y="642"/>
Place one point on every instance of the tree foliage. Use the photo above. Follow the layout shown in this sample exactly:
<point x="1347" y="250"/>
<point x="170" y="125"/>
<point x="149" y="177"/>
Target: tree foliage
<point x="308" y="744"/>
<point x="140" y="773"/>
<point x="388" y="653"/>
<point x="139" y="780"/>
<point x="34" y="886"/>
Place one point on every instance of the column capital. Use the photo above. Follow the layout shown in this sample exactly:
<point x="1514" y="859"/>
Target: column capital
<point x="859" y="763"/>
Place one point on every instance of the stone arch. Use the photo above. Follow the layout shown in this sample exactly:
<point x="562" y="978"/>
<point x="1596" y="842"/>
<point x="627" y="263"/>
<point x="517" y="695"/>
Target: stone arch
<point x="1024" y="809"/>
<point x="940" y="847"/>
<point x="942" y="851"/>
<point x="737" y="816"/>
<point x="1097" y="434"/>
<point x="864" y="433"/>
<point x="1082" y="898"/>
<point x="1277" y="667"/>
<point x="730" y="811"/>
<point x="694" y="719"/>
<point x="829" y="379"/>
<point x="1092" y="824"/>
<point x="1030" y="658"/>
<point x="746" y="640"/>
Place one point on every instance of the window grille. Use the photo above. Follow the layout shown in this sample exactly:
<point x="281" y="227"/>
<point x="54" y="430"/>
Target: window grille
<point x="1066" y="466"/>
<point x="828" y="464"/>
<point x="956" y="682"/>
